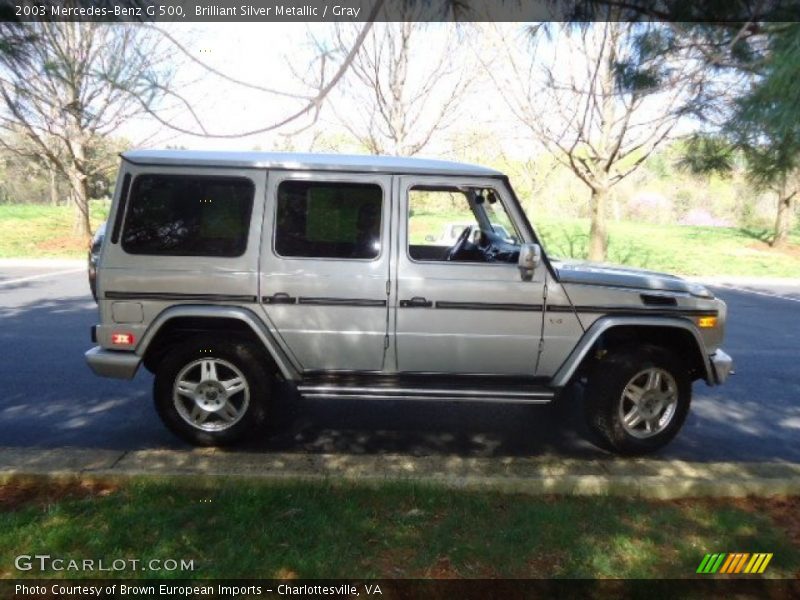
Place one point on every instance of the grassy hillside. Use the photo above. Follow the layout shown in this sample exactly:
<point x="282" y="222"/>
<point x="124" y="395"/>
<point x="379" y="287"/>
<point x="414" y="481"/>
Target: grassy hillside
<point x="677" y="249"/>
<point x="44" y="231"/>
<point x="37" y="231"/>
<point x="680" y="249"/>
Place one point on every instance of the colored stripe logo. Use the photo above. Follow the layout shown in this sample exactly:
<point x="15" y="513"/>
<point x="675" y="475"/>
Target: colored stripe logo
<point x="734" y="563"/>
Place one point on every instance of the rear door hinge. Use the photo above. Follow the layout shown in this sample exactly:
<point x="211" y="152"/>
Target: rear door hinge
<point x="385" y="342"/>
<point x="388" y="286"/>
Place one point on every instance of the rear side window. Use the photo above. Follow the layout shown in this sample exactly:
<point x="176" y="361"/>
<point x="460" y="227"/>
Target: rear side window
<point x="328" y="220"/>
<point x="181" y="215"/>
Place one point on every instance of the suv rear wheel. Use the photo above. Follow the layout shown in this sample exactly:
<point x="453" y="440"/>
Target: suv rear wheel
<point x="211" y="392"/>
<point x="638" y="398"/>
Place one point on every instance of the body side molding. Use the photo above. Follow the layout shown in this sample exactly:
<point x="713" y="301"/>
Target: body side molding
<point x="507" y="306"/>
<point x="326" y="301"/>
<point x="639" y="311"/>
<point x="603" y="324"/>
<point x="112" y="295"/>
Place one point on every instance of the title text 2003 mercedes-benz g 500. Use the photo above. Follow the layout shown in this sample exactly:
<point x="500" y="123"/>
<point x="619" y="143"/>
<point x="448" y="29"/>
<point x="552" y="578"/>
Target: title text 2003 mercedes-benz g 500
<point x="224" y="272"/>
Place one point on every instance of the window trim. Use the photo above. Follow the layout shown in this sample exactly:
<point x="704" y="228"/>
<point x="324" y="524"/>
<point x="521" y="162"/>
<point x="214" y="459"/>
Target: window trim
<point x="501" y="197"/>
<point x="249" y="227"/>
<point x="122" y="207"/>
<point x="274" y="236"/>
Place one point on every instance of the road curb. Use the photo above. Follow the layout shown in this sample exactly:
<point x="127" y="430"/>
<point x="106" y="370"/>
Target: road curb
<point x="536" y="476"/>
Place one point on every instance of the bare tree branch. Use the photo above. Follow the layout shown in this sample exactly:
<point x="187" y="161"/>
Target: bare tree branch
<point x="595" y="107"/>
<point x="312" y="105"/>
<point x="72" y="88"/>
<point x="403" y="100"/>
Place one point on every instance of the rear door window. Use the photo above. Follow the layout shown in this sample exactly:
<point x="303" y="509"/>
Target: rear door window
<point x="327" y="219"/>
<point x="188" y="215"/>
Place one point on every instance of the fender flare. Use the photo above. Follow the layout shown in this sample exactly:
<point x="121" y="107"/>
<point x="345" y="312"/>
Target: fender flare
<point x="283" y="361"/>
<point x="603" y="324"/>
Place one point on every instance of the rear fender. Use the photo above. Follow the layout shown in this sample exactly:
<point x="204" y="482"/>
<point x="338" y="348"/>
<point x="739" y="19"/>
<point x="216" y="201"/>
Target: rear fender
<point x="282" y="360"/>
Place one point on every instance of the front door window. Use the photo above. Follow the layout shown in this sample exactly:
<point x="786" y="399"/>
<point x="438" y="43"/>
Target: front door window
<point x="458" y="224"/>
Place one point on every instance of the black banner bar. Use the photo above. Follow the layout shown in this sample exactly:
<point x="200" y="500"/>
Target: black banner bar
<point x="461" y="589"/>
<point x="732" y="11"/>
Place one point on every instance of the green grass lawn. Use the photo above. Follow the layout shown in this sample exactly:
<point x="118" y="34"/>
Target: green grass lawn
<point x="36" y="231"/>
<point x="679" y="248"/>
<point x="326" y="530"/>
<point x="44" y="231"/>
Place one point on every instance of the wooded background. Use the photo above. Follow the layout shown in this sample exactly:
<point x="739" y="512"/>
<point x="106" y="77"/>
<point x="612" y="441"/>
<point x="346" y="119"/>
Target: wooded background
<point x="647" y="121"/>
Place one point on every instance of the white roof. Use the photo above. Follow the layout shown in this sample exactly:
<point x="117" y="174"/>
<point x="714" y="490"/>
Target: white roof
<point x="306" y="162"/>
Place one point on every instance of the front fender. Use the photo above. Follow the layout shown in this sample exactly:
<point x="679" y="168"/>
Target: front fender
<point x="604" y="324"/>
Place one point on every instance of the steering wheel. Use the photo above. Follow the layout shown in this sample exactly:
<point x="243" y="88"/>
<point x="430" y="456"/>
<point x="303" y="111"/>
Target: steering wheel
<point x="460" y="243"/>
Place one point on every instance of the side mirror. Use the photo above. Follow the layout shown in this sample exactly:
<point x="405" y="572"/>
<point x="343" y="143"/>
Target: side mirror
<point x="530" y="255"/>
<point x="430" y="238"/>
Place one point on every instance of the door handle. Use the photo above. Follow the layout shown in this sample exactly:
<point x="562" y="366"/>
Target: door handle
<point x="279" y="298"/>
<point x="416" y="302"/>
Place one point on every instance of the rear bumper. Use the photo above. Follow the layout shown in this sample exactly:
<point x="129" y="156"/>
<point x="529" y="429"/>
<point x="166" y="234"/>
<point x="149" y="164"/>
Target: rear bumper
<point x="113" y="363"/>
<point x="721" y="365"/>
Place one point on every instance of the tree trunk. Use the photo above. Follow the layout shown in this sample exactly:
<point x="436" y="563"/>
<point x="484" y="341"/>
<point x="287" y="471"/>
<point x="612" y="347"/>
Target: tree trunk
<point x="783" y="220"/>
<point x="598" y="236"/>
<point x="53" y="187"/>
<point x="79" y="183"/>
<point x="80" y="193"/>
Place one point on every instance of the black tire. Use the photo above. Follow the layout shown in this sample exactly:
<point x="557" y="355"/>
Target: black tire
<point x="604" y="395"/>
<point x="240" y="355"/>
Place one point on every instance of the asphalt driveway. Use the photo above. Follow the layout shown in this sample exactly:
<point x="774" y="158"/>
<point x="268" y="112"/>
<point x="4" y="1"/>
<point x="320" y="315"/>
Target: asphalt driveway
<point x="50" y="399"/>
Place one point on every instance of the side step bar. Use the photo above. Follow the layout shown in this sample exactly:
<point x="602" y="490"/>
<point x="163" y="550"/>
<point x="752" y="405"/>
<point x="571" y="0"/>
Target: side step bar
<point x="505" y="396"/>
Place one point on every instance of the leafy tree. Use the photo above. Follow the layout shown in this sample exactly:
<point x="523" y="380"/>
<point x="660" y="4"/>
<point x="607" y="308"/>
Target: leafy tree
<point x="611" y="95"/>
<point x="78" y="83"/>
<point x="763" y="124"/>
<point x="66" y="86"/>
<point x="766" y="125"/>
<point x="750" y="50"/>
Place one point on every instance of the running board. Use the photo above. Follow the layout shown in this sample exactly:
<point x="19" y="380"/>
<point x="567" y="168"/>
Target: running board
<point x="505" y="396"/>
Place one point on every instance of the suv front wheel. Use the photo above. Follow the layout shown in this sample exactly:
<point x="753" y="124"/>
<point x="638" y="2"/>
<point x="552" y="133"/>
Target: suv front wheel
<point x="638" y="398"/>
<point x="211" y="392"/>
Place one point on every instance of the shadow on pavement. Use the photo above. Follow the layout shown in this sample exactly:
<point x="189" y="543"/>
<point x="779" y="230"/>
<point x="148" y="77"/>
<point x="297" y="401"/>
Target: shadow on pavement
<point x="50" y="399"/>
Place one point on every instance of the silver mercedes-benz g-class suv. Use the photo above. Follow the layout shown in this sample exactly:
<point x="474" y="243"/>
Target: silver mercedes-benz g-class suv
<point x="223" y="273"/>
